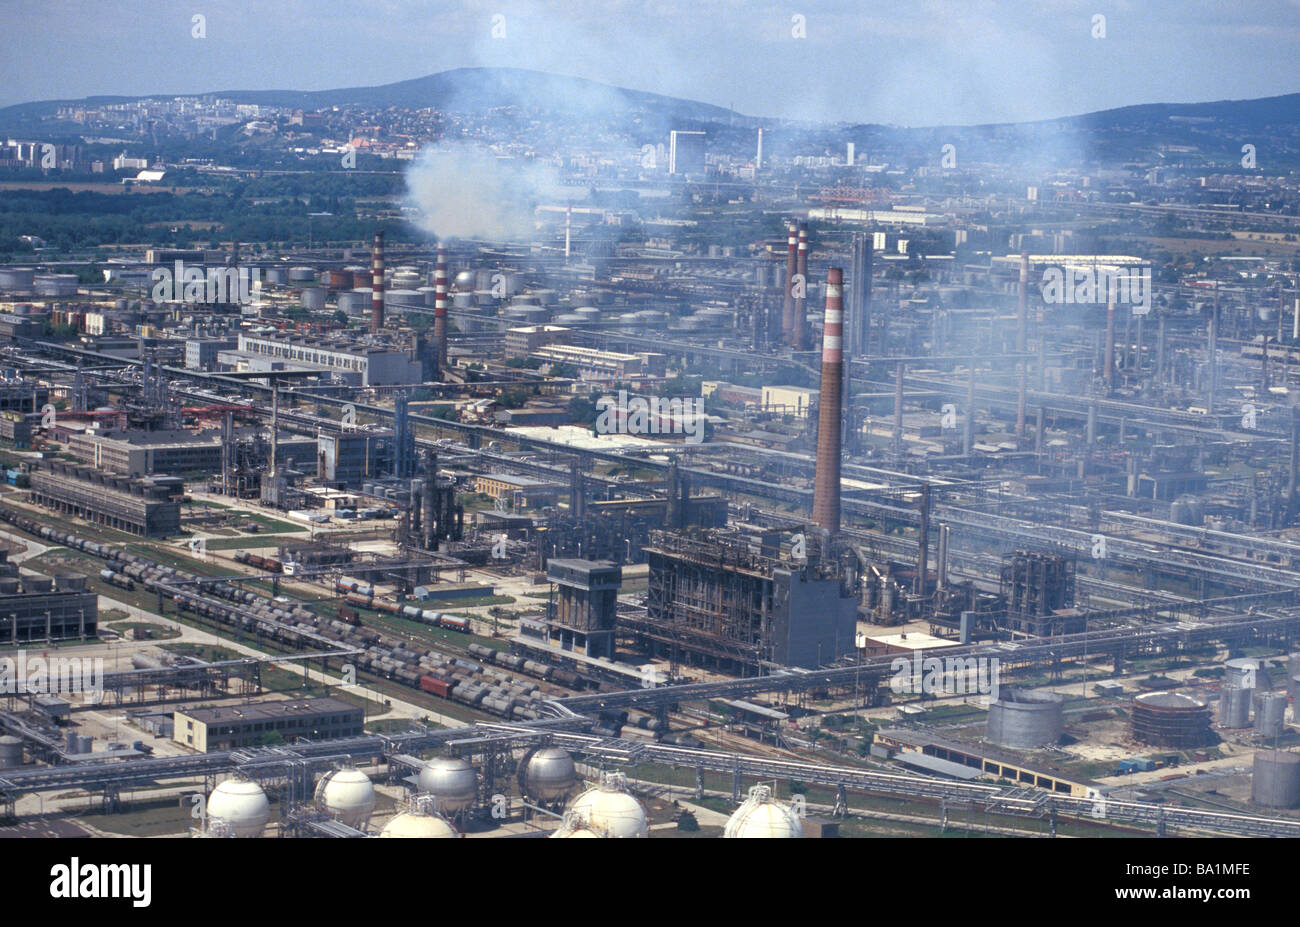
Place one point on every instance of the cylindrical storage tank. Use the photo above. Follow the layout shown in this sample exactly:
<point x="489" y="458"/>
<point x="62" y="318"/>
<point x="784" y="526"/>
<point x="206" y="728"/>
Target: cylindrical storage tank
<point x="313" y="297"/>
<point x="1021" y="718"/>
<point x="240" y="804"/>
<point x="275" y="275"/>
<point x="547" y="774"/>
<point x="407" y="279"/>
<point x="145" y="661"/>
<point x="17" y="278"/>
<point x="1275" y="780"/>
<point x="55" y="284"/>
<point x="761" y="815"/>
<point x="348" y="795"/>
<point x="302" y="274"/>
<point x="85" y="743"/>
<point x="11" y="752"/>
<point x="1234" y="708"/>
<point x="339" y="280"/>
<point x="1292" y="673"/>
<point x="611" y="810"/>
<point x="1169" y="719"/>
<point x="1246" y="673"/>
<point x="1270" y="714"/>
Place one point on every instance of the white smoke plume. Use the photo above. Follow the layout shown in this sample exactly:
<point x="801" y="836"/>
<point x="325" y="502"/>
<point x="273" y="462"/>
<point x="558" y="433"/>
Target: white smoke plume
<point x="467" y="191"/>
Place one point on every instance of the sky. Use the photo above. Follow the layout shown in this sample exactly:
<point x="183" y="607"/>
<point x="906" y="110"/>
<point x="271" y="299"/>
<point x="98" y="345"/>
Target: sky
<point x="917" y="63"/>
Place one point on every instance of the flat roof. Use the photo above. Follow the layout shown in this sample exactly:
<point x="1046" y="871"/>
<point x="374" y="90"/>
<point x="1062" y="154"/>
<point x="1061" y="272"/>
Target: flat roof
<point x="937" y="766"/>
<point x="269" y="711"/>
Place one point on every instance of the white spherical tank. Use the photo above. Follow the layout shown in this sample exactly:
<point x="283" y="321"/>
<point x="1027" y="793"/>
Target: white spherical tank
<point x="762" y="816"/>
<point x="418" y="824"/>
<point x="241" y="805"/>
<point x="348" y="795"/>
<point x="548" y="774"/>
<point x="610" y="809"/>
<point x="452" y="781"/>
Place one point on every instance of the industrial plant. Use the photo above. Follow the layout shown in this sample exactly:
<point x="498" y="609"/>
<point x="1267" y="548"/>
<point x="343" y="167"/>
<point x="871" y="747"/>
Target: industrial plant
<point x="750" y="478"/>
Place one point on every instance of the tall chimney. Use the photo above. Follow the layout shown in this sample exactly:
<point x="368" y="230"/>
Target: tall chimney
<point x="826" y="484"/>
<point x="440" y="310"/>
<point x="1110" y="346"/>
<point x="1022" y="303"/>
<point x="758" y="158"/>
<point x="377" y="283"/>
<point x="791" y="268"/>
<point x="800" y="342"/>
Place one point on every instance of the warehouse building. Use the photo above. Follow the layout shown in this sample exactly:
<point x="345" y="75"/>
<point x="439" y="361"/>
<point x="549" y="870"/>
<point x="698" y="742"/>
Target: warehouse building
<point x="37" y="608"/>
<point x="362" y="364"/>
<point x="236" y="726"/>
<point x="149" y="507"/>
<point x="142" y="453"/>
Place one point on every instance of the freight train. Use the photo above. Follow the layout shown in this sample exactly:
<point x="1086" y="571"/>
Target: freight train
<point x="490" y="689"/>
<point x="270" y="564"/>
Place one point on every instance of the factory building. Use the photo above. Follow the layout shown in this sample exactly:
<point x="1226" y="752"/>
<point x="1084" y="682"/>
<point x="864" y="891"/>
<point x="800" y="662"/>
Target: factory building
<point x="347" y="458"/>
<point x="582" y="616"/>
<point x="148" y="507"/>
<point x="525" y="339"/>
<point x="610" y="366"/>
<point x="36" y="608"/>
<point x="16" y="428"/>
<point x="201" y="353"/>
<point x="520" y="491"/>
<point x="236" y="726"/>
<point x="686" y="152"/>
<point x="141" y="453"/>
<point x="362" y="364"/>
<point x="717" y="599"/>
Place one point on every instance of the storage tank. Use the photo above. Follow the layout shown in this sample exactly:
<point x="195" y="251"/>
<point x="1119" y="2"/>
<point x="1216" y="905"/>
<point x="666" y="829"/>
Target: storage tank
<point x="348" y="795"/>
<point x="1275" y="780"/>
<point x="452" y="781"/>
<point x="1246" y="673"/>
<point x="11" y="752"/>
<point x="761" y="815"/>
<point x="313" y="297"/>
<point x="55" y="284"/>
<point x="17" y="278"/>
<point x="1021" y="718"/>
<point x="274" y="275"/>
<point x="421" y="822"/>
<point x="547" y="774"/>
<point x="1170" y="719"/>
<point x="1292" y="673"/>
<point x="1270" y="714"/>
<point x="1234" y="708"/>
<point x="610" y="809"/>
<point x="302" y="274"/>
<point x="241" y="804"/>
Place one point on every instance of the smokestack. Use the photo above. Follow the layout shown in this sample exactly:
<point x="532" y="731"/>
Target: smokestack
<point x="923" y="542"/>
<point x="432" y="516"/>
<point x="791" y="268"/>
<point x="568" y="230"/>
<point x="758" y="158"/>
<point x="858" y="344"/>
<point x="1110" y="345"/>
<point x="941" y="579"/>
<point x="801" y="302"/>
<point x="377" y="284"/>
<point x="898" y="410"/>
<point x="826" y="485"/>
<point x="440" y="310"/>
<point x="1022" y="303"/>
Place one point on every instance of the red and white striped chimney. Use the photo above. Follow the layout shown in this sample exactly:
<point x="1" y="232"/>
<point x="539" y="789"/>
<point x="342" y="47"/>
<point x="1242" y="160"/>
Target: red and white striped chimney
<point x="800" y="341"/>
<point x="826" y="481"/>
<point x="377" y="283"/>
<point x="440" y="309"/>
<point x="791" y="268"/>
